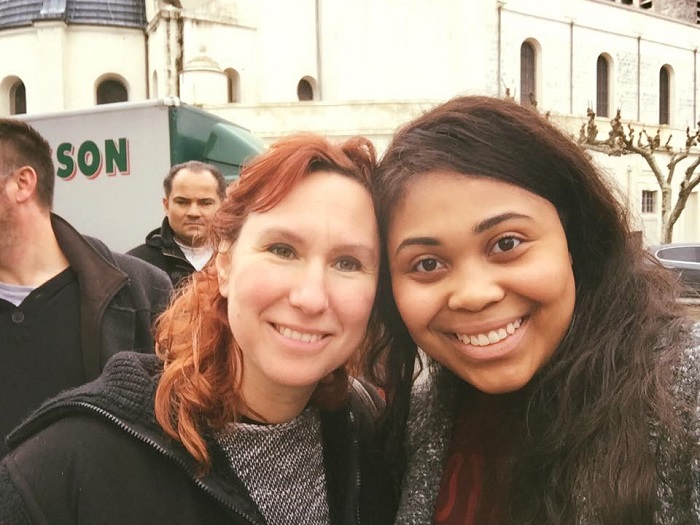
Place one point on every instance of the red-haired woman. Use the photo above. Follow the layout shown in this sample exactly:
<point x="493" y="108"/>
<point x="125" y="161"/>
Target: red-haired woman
<point x="247" y="414"/>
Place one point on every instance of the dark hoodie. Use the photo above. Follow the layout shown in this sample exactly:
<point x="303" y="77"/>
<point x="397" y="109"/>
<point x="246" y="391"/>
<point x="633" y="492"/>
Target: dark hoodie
<point x="161" y="250"/>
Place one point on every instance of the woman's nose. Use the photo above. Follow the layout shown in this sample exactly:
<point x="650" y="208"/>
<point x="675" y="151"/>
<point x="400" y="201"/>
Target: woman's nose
<point x="310" y="292"/>
<point x="474" y="287"/>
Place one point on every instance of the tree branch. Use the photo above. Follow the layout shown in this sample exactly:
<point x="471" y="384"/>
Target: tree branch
<point x="621" y="142"/>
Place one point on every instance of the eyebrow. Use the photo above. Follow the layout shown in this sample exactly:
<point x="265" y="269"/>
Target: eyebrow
<point x="417" y="241"/>
<point x="198" y="199"/>
<point x="480" y="227"/>
<point x="486" y="224"/>
<point x="283" y="234"/>
<point x="294" y="238"/>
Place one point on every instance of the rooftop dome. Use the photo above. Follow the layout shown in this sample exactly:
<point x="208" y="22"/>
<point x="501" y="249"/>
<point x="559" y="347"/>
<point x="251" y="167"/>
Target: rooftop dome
<point x="120" y="13"/>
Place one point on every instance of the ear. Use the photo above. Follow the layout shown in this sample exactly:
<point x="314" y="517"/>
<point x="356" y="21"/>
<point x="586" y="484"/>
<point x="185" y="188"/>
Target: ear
<point x="25" y="182"/>
<point x="166" y="200"/>
<point x="223" y="269"/>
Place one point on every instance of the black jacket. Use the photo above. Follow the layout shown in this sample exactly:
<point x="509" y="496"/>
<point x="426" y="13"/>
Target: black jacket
<point x="97" y="455"/>
<point x="161" y="250"/>
<point x="120" y="296"/>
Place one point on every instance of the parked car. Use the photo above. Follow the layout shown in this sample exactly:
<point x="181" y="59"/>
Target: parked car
<point x="683" y="258"/>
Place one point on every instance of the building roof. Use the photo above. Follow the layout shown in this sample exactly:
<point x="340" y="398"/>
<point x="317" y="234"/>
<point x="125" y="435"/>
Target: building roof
<point x="120" y="13"/>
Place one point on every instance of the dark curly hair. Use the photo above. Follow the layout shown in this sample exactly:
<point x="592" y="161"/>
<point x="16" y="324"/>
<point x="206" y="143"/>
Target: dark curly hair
<point x="589" y="408"/>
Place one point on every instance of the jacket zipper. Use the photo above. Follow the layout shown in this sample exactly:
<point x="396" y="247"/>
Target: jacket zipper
<point x="355" y="449"/>
<point x="159" y="449"/>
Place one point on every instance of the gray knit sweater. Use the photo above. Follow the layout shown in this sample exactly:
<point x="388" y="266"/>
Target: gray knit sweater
<point x="281" y="465"/>
<point x="430" y="428"/>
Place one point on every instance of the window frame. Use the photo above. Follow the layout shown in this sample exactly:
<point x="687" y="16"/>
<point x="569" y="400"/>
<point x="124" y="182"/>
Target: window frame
<point x="602" y="101"/>
<point x="528" y="73"/>
<point x="103" y="84"/>
<point x="664" y="95"/>
<point x="649" y="199"/>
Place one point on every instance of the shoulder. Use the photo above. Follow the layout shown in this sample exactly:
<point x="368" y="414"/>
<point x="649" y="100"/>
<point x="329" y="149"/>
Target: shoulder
<point x="144" y="251"/>
<point x="77" y="460"/>
<point x="100" y="247"/>
<point x="687" y="374"/>
<point x="134" y="267"/>
<point x="41" y="475"/>
<point x="153" y="244"/>
<point x="124" y="392"/>
<point x="76" y="438"/>
<point x="70" y="446"/>
<point x="138" y="269"/>
<point x="148" y="288"/>
<point x="678" y="455"/>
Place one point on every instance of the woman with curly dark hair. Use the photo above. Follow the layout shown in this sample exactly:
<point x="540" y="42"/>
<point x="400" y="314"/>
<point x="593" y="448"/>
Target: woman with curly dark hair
<point x="564" y="376"/>
<point x="247" y="414"/>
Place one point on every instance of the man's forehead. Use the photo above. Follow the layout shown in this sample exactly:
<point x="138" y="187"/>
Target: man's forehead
<point x="189" y="175"/>
<point x="194" y="185"/>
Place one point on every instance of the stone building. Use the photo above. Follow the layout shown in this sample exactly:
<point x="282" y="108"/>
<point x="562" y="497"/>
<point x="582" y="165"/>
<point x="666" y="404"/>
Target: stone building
<point x="366" y="66"/>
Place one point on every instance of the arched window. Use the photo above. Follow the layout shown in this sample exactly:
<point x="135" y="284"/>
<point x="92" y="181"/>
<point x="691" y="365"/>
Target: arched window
<point x="18" y="98"/>
<point x="528" y="94"/>
<point x="233" y="82"/>
<point x="110" y="91"/>
<point x="602" y="101"/>
<point x="304" y="90"/>
<point x="664" y="96"/>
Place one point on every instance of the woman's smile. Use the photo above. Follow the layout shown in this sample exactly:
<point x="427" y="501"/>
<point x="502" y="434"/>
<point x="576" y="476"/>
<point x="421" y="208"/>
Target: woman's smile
<point x="301" y="336"/>
<point x="491" y="337"/>
<point x="492" y="346"/>
<point x="485" y="288"/>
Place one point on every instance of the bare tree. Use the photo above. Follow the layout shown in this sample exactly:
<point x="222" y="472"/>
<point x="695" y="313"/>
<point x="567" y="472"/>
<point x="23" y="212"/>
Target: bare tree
<point x="628" y="142"/>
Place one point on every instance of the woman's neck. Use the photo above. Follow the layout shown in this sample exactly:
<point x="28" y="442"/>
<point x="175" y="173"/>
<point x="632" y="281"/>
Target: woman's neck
<point x="274" y="405"/>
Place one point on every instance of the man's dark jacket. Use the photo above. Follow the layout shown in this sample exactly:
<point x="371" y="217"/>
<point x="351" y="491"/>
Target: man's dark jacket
<point x="97" y="455"/>
<point x="120" y="296"/>
<point x="161" y="250"/>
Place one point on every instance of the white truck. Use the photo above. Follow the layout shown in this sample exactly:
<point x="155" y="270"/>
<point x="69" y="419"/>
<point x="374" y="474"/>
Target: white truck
<point x="110" y="161"/>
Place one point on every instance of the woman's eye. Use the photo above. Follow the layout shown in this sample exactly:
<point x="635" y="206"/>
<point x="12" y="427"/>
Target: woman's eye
<point x="348" y="265"/>
<point x="281" y="250"/>
<point x="505" y="244"/>
<point x="428" y="265"/>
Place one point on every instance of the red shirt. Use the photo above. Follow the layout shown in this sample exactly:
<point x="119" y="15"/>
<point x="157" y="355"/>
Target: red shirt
<point x="474" y="482"/>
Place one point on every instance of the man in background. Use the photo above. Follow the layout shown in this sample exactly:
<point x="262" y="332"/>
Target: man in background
<point x="193" y="192"/>
<point x="67" y="303"/>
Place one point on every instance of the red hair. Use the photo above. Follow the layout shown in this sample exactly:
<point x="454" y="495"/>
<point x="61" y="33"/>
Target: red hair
<point x="200" y="388"/>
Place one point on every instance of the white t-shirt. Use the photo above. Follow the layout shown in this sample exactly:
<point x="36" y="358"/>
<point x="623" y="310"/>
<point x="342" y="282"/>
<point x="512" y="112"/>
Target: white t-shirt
<point x="14" y="293"/>
<point x="198" y="257"/>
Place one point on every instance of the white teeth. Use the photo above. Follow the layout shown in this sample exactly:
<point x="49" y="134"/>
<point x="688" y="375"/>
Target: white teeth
<point x="298" y="336"/>
<point x="491" y="337"/>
